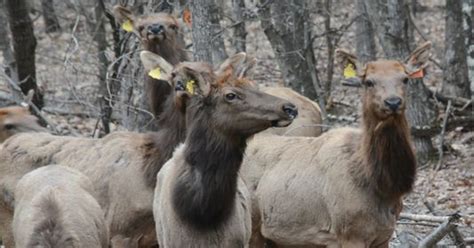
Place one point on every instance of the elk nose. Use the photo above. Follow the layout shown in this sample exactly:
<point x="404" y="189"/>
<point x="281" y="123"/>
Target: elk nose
<point x="393" y="103"/>
<point x="291" y="110"/>
<point x="155" y="28"/>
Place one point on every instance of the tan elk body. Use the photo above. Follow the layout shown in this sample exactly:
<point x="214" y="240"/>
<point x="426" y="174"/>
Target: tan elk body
<point x="344" y="188"/>
<point x="124" y="171"/>
<point x="55" y="207"/>
<point x="15" y="120"/>
<point x="200" y="200"/>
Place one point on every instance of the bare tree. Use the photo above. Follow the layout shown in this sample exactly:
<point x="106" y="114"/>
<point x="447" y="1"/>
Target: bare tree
<point x="49" y="16"/>
<point x="455" y="74"/>
<point x="365" y="38"/>
<point x="208" y="44"/>
<point x="286" y="25"/>
<point x="390" y="19"/>
<point x="24" y="46"/>
<point x="238" y="8"/>
<point x="468" y="14"/>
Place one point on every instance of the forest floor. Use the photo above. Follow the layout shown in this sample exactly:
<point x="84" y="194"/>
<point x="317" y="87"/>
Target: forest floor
<point x="67" y="70"/>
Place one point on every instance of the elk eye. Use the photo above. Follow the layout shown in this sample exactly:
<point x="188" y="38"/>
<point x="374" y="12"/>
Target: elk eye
<point x="140" y="28"/>
<point x="9" y="126"/>
<point x="405" y="80"/>
<point x="174" y="27"/>
<point x="179" y="85"/>
<point x="369" y="83"/>
<point x="230" y="96"/>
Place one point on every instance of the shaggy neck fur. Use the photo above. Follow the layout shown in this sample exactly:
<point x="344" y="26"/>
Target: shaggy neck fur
<point x="159" y="146"/>
<point x="204" y="193"/>
<point x="387" y="156"/>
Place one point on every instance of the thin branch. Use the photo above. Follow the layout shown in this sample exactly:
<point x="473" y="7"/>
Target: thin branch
<point x="441" y="137"/>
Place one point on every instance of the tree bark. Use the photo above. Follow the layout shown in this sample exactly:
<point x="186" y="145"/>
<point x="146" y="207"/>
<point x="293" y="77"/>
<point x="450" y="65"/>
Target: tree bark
<point x="395" y="32"/>
<point x="240" y="35"/>
<point x="468" y="24"/>
<point x="286" y="26"/>
<point x="49" y="16"/>
<point x="24" y="45"/>
<point x="455" y="74"/>
<point x="105" y="99"/>
<point x="365" y="38"/>
<point x="330" y="45"/>
<point x="208" y="44"/>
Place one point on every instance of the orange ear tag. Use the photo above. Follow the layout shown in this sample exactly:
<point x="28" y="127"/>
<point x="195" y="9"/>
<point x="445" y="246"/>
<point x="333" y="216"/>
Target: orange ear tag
<point x="417" y="74"/>
<point x="187" y="17"/>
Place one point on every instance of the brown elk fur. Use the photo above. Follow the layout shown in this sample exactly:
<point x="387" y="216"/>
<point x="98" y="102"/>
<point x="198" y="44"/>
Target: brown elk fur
<point x="169" y="44"/>
<point x="55" y="207"/>
<point x="200" y="200"/>
<point x="124" y="171"/>
<point x="15" y="120"/>
<point x="344" y="188"/>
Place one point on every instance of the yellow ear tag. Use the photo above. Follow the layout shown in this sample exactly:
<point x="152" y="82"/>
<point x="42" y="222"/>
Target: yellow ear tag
<point x="127" y="26"/>
<point x="190" y="86"/>
<point x="349" y="71"/>
<point x="155" y="73"/>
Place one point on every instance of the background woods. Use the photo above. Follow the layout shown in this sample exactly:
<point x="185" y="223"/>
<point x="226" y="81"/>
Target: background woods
<point x="80" y="71"/>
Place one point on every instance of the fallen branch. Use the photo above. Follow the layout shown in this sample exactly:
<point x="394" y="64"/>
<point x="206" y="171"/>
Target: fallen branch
<point x="456" y="101"/>
<point x="424" y="217"/>
<point x="440" y="232"/>
<point x="429" y="131"/>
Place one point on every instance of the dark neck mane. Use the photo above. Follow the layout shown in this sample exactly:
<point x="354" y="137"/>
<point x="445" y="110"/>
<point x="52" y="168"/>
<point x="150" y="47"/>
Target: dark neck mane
<point x="204" y="193"/>
<point x="159" y="146"/>
<point x="172" y="51"/>
<point x="387" y="156"/>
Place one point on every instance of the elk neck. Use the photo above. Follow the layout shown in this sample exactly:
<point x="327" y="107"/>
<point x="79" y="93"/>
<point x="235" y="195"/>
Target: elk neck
<point x="387" y="156"/>
<point x="205" y="193"/>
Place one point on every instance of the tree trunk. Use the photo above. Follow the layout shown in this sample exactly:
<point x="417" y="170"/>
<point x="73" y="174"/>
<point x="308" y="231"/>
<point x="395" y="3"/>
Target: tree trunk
<point x="330" y="45"/>
<point x="49" y="16"/>
<point x="365" y="39"/>
<point x="286" y="26"/>
<point x="5" y="44"/>
<point x="208" y="44"/>
<point x="24" y="45"/>
<point x="395" y="33"/>
<point x="105" y="98"/>
<point x="239" y="39"/>
<point x="468" y="14"/>
<point x="455" y="74"/>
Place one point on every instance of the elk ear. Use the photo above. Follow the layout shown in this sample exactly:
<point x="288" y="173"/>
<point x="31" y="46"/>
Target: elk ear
<point x="156" y="66"/>
<point x="125" y="17"/>
<point x="351" y="68"/>
<point x="239" y="65"/>
<point x="418" y="60"/>
<point x="199" y="83"/>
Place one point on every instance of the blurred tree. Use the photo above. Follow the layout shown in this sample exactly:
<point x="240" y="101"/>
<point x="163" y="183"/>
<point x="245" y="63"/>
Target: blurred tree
<point x="208" y="44"/>
<point x="468" y="14"/>
<point x="390" y="19"/>
<point x="24" y="45"/>
<point x="455" y="74"/>
<point x="365" y="40"/>
<point x="239" y="37"/>
<point x="49" y="16"/>
<point x="287" y="26"/>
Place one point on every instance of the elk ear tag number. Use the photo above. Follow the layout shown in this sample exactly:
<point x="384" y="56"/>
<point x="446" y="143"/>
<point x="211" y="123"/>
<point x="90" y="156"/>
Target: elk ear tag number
<point x="190" y="85"/>
<point x="127" y="26"/>
<point x="349" y="71"/>
<point x="155" y="73"/>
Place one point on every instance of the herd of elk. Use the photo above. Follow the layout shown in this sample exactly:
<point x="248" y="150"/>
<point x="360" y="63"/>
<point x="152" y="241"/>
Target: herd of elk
<point x="230" y="183"/>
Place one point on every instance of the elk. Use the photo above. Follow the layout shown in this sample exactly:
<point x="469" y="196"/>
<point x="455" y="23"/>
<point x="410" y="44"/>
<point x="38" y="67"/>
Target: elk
<point x="307" y="123"/>
<point x="55" y="207"/>
<point x="16" y="119"/>
<point x="200" y="200"/>
<point x="125" y="163"/>
<point x="345" y="187"/>
<point x="159" y="33"/>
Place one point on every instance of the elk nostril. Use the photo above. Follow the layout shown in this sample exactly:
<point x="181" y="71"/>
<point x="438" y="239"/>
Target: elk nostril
<point x="393" y="103"/>
<point x="155" y="28"/>
<point x="291" y="110"/>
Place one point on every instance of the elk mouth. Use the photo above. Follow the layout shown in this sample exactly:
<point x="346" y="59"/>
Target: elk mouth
<point x="281" y="123"/>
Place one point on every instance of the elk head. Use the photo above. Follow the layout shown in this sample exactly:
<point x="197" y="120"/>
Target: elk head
<point x="383" y="81"/>
<point x="158" y="32"/>
<point x="15" y="120"/>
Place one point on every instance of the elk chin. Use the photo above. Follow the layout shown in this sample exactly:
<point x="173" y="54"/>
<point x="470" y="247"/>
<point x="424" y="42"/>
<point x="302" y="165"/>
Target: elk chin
<point x="281" y="123"/>
<point x="156" y="37"/>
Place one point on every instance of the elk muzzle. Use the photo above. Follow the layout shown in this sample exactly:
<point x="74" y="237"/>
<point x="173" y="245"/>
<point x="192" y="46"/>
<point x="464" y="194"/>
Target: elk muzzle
<point x="393" y="103"/>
